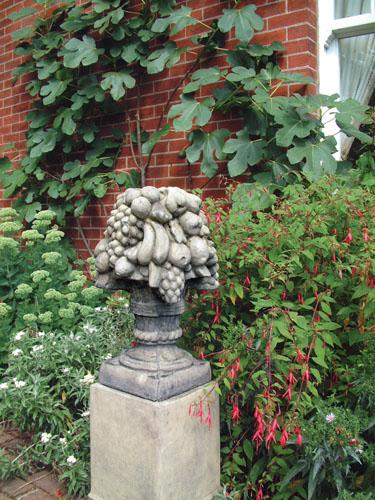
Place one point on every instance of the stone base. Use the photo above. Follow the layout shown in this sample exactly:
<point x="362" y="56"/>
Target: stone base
<point x="144" y="450"/>
<point x="159" y="384"/>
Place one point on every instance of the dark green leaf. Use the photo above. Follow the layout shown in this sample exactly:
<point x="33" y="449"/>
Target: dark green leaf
<point x="246" y="152"/>
<point x="209" y="145"/>
<point x="202" y="77"/>
<point x="80" y="52"/>
<point x="117" y="83"/>
<point x="180" y="18"/>
<point x="190" y="110"/>
<point x="20" y="14"/>
<point x="244" y="21"/>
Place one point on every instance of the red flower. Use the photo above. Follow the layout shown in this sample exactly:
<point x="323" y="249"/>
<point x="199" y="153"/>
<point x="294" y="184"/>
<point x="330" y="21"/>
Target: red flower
<point x="316" y="270"/>
<point x="284" y="437"/>
<point x="249" y="343"/>
<point x="291" y="378"/>
<point x="349" y="238"/>
<point x="260" y="494"/>
<point x="200" y="412"/>
<point x="201" y="355"/>
<point x="288" y="393"/>
<point x="208" y="419"/>
<point x="334" y="231"/>
<point x="359" y="213"/>
<point x="218" y="217"/>
<point x="217" y="315"/>
<point x="365" y="234"/>
<point x="371" y="282"/>
<point x="354" y="270"/>
<point x="299" y="436"/>
<point x="272" y="431"/>
<point x="300" y="298"/>
<point x="283" y="295"/>
<point x="334" y="257"/>
<point x="247" y="280"/>
<point x="306" y="375"/>
<point x="236" y="414"/>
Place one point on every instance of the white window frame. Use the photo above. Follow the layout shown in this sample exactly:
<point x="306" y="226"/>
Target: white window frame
<point x="330" y="31"/>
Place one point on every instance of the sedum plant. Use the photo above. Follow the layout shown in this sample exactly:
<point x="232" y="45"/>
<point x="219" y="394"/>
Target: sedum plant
<point x="41" y="286"/>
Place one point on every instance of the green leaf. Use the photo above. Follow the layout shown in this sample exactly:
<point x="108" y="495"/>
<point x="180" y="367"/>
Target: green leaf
<point x="30" y="210"/>
<point x="45" y="141"/>
<point x="246" y="152"/>
<point x="252" y="197"/>
<point x="149" y="144"/>
<point x="23" y="34"/>
<point x="244" y="21"/>
<point x="295" y="123"/>
<point x="5" y="165"/>
<point x="23" y="69"/>
<point x="100" y="190"/>
<point x="52" y="90"/>
<point x="80" y="52"/>
<point x="20" y="14"/>
<point x="318" y="156"/>
<point x="117" y="83"/>
<point x="208" y="145"/>
<point x="113" y="17"/>
<point x="64" y="120"/>
<point x="46" y="68"/>
<point x="72" y="170"/>
<point x="202" y="77"/>
<point x="243" y="75"/>
<point x="132" y="51"/>
<point x="190" y="110"/>
<point x="180" y="18"/>
<point x="248" y="449"/>
<point x="350" y="114"/>
<point x="168" y="56"/>
<point x="38" y="118"/>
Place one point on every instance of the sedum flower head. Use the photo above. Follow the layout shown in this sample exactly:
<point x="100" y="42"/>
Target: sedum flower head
<point x="66" y="313"/>
<point x="76" y="285"/>
<point x="23" y="290"/>
<point x="54" y="235"/>
<point x="29" y="318"/>
<point x="31" y="235"/>
<point x="91" y="293"/>
<point x="4" y="310"/>
<point x="85" y="310"/>
<point x="40" y="275"/>
<point x="45" y="317"/>
<point x="8" y="213"/>
<point x="51" y="257"/>
<point x="40" y="224"/>
<point x="8" y="244"/>
<point x="52" y="294"/>
<point x="10" y="226"/>
<point x="45" y="215"/>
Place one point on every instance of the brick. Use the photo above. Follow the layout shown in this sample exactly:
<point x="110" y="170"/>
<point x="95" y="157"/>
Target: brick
<point x="16" y="486"/>
<point x="300" y="16"/>
<point x="46" y="481"/>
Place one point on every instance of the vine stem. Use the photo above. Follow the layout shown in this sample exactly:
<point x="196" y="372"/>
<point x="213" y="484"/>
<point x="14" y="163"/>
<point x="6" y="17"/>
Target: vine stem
<point x="83" y="236"/>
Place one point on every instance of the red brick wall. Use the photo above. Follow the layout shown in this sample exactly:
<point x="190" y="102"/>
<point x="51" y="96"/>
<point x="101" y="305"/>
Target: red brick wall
<point x="292" y="22"/>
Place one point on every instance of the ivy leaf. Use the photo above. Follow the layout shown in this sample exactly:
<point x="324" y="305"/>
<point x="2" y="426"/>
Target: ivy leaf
<point x="77" y="52"/>
<point x="252" y="197"/>
<point x="52" y="90"/>
<point x="295" y="123"/>
<point x="45" y="141"/>
<point x="318" y="157"/>
<point x="247" y="153"/>
<point x="181" y="18"/>
<point x="244" y="21"/>
<point x="20" y="14"/>
<point x="161" y="58"/>
<point x="188" y="110"/>
<point x="209" y="145"/>
<point x="202" y="77"/>
<point x="148" y="146"/>
<point x="243" y="75"/>
<point x="117" y="83"/>
<point x="64" y="120"/>
<point x="23" y="34"/>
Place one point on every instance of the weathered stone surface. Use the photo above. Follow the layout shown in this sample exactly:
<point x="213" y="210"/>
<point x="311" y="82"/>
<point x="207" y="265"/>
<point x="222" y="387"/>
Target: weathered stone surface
<point x="142" y="450"/>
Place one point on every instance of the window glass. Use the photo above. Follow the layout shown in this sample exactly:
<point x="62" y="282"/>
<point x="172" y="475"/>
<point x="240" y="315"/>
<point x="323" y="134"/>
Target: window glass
<point x="347" y="8"/>
<point x="357" y="67"/>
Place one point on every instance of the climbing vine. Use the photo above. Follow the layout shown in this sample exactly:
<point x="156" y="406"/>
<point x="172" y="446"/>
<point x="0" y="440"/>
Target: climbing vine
<point x="87" y="64"/>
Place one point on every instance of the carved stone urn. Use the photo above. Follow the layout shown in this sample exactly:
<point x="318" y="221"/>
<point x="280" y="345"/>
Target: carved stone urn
<point x="156" y="245"/>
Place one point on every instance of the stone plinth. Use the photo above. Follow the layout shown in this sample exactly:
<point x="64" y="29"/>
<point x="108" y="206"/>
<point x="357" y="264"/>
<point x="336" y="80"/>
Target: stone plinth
<point x="146" y="450"/>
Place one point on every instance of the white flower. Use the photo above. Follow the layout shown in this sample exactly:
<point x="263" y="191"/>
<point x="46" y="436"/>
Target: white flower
<point x="330" y="417"/>
<point x="86" y="413"/>
<point x="108" y="356"/>
<point x="359" y="451"/>
<point x="71" y="460"/>
<point x="54" y="342"/>
<point x="19" y="335"/>
<point x="66" y="370"/>
<point x="100" y="309"/>
<point x="19" y="383"/>
<point x="40" y="334"/>
<point x="16" y="352"/>
<point x="89" y="328"/>
<point x="4" y="385"/>
<point x="88" y="379"/>
<point x="38" y="348"/>
<point x="45" y="437"/>
<point x="62" y="441"/>
<point x="78" y="337"/>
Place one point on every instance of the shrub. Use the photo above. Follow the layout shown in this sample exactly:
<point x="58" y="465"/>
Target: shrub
<point x="45" y="391"/>
<point x="288" y="330"/>
<point x="41" y="285"/>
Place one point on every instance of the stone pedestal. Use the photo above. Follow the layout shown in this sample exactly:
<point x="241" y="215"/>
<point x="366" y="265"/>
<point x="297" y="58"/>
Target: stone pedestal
<point x="146" y="450"/>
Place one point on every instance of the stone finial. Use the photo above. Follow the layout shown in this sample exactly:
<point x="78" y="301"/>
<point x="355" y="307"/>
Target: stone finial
<point x="160" y="237"/>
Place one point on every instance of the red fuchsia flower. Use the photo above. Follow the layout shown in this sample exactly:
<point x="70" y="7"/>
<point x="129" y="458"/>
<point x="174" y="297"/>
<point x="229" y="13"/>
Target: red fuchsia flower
<point x="301" y="356"/>
<point x="316" y="295"/>
<point x="283" y="295"/>
<point x="260" y="494"/>
<point x="272" y="431"/>
<point x="134" y="343"/>
<point x="249" y="343"/>
<point x="299" y="435"/>
<point x="306" y="374"/>
<point x="201" y="355"/>
<point x="359" y="213"/>
<point x="349" y="238"/>
<point x="291" y="378"/>
<point x="316" y="269"/>
<point x="371" y="282"/>
<point x="200" y="412"/>
<point x="300" y="298"/>
<point x="365" y="234"/>
<point x="288" y="393"/>
<point x="334" y="231"/>
<point x="247" y="280"/>
<point x="284" y="437"/>
<point x="334" y="257"/>
<point x="217" y="315"/>
<point x="354" y="270"/>
<point x="208" y="419"/>
<point x="218" y="217"/>
<point x="236" y="414"/>
<point x="316" y="318"/>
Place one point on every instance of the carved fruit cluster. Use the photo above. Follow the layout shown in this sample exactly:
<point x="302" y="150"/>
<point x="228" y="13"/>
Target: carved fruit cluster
<point x="160" y="236"/>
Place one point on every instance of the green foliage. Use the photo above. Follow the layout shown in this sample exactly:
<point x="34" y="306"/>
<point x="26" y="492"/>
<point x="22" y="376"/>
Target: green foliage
<point x="289" y="337"/>
<point x="45" y="390"/>
<point x="41" y="285"/>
